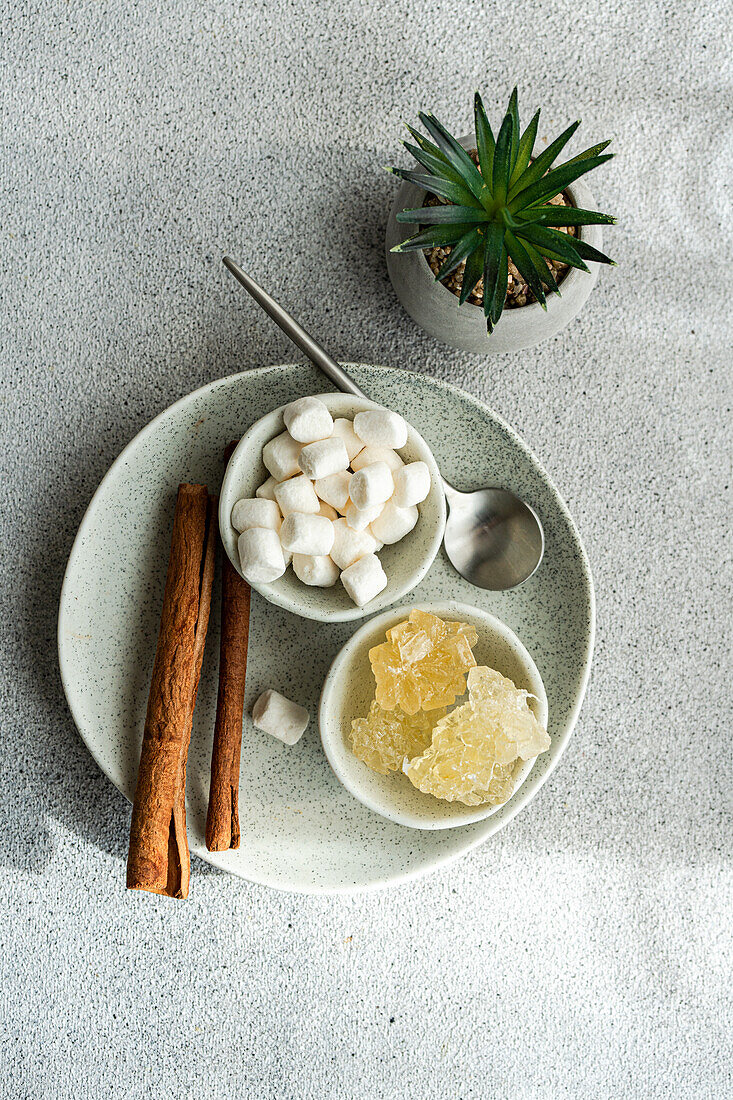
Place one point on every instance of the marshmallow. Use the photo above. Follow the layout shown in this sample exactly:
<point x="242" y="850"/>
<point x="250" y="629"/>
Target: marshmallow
<point x="261" y="555"/>
<point x="371" y="485"/>
<point x="370" y="455"/>
<point x="280" y="456"/>
<point x="360" y="518"/>
<point x="325" y="457"/>
<point x="255" y="513"/>
<point x="304" y="534"/>
<point x="319" y="571"/>
<point x="297" y="495"/>
<point x="266" y="490"/>
<point x="411" y="484"/>
<point x="394" y="523"/>
<point x="344" y="429"/>
<point x="308" y="420"/>
<point x="281" y="718"/>
<point x="364" y="580"/>
<point x="327" y="511"/>
<point x="334" y="489"/>
<point x="381" y="428"/>
<point x="350" y="545"/>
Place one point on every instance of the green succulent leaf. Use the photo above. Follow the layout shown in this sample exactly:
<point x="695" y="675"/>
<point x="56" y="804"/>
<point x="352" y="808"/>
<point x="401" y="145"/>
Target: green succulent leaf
<point x="446" y="189"/>
<point x="594" y="151"/>
<point x="526" y="268"/>
<point x="540" y="164"/>
<point x="438" y="166"/>
<point x="434" y="236"/>
<point x="588" y="252"/>
<point x="503" y="160"/>
<point x="494" y="250"/>
<point x="471" y="273"/>
<point x="484" y="140"/>
<point x="513" y="110"/>
<point x="498" y="297"/>
<point x="555" y="182"/>
<point x="441" y="215"/>
<point x="553" y="244"/>
<point x="460" y="251"/>
<point x="455" y="153"/>
<point x="526" y="145"/>
<point x="563" y="215"/>
<point x="541" y="266"/>
<point x="425" y="145"/>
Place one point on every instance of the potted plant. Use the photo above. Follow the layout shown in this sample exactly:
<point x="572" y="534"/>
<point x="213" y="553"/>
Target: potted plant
<point x="507" y="247"/>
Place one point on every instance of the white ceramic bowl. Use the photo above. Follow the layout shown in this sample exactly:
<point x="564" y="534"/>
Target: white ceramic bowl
<point x="349" y="689"/>
<point x="405" y="563"/>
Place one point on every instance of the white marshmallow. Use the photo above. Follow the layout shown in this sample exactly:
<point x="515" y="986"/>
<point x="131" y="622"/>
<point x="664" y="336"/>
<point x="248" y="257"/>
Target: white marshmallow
<point x="319" y="571"/>
<point x="411" y="484"/>
<point x="255" y="513"/>
<point x="297" y="495"/>
<point x="364" y="580"/>
<point x="360" y="518"/>
<point x="327" y="511"/>
<point x="334" y="489"/>
<point x="308" y="419"/>
<point x="394" y="523"/>
<point x="280" y="456"/>
<point x="304" y="534"/>
<point x="325" y="457"/>
<point x="371" y="485"/>
<point x="350" y="545"/>
<point x="266" y="490"/>
<point x="261" y="555"/>
<point x="281" y="718"/>
<point x="344" y="429"/>
<point x="381" y="428"/>
<point x="370" y="455"/>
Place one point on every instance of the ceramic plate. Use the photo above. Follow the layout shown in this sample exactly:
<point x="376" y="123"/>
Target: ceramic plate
<point x="301" y="830"/>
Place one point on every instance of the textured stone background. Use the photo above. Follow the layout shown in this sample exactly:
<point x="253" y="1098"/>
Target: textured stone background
<point x="581" y="952"/>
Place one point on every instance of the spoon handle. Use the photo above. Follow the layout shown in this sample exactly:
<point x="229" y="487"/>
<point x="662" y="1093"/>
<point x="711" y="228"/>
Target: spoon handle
<point x="295" y="332"/>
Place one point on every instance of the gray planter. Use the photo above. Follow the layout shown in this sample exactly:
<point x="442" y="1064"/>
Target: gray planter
<point x="436" y="309"/>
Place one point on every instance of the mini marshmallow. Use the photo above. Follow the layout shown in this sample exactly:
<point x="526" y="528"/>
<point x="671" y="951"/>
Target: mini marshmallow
<point x="256" y="513"/>
<point x="319" y="571"/>
<point x="411" y="484"/>
<point x="281" y="718"/>
<point x="327" y="511"/>
<point x="304" y="534"/>
<point x="266" y="490"/>
<point x="334" y="489"/>
<point x="350" y="545"/>
<point x="261" y="555"/>
<point x="344" y="429"/>
<point x="308" y="420"/>
<point x="381" y="428"/>
<point x="280" y="456"/>
<point x="360" y="518"/>
<point x="394" y="523"/>
<point x="371" y="485"/>
<point x="327" y="456"/>
<point x="370" y="455"/>
<point x="297" y="495"/>
<point x="364" y="580"/>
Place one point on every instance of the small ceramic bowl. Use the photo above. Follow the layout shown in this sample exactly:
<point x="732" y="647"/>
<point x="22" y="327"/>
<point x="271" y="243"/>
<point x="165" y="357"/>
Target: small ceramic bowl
<point x="405" y="563"/>
<point x="349" y="689"/>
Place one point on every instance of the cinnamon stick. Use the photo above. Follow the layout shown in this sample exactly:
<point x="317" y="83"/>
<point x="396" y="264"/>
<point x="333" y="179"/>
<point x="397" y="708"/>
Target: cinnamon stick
<point x="222" y="819"/>
<point x="159" y="859"/>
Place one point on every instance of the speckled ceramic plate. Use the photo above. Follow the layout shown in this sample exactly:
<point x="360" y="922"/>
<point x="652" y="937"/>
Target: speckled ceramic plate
<point x="301" y="830"/>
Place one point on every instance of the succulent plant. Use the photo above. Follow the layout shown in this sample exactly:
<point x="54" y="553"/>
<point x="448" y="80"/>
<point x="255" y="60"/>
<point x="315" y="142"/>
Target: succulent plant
<point x="500" y="209"/>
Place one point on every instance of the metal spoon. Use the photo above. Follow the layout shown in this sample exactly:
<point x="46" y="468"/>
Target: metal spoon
<point x="493" y="539"/>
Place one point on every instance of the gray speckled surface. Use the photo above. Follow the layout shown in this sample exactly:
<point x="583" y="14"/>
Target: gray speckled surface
<point x="581" y="951"/>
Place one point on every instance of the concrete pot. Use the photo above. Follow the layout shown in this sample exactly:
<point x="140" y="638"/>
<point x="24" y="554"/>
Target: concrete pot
<point x="436" y="309"/>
